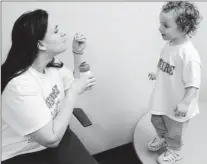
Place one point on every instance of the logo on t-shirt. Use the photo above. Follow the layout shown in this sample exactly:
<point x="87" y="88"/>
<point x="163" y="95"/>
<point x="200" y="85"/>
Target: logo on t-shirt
<point x="166" y="67"/>
<point x="50" y="101"/>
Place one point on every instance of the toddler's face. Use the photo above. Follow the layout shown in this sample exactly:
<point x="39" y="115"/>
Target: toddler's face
<point x="168" y="27"/>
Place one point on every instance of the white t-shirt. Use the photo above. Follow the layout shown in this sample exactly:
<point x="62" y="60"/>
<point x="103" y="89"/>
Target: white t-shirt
<point x="179" y="67"/>
<point x="29" y="102"/>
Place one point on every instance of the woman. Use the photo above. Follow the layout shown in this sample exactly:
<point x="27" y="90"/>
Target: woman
<point x="38" y="95"/>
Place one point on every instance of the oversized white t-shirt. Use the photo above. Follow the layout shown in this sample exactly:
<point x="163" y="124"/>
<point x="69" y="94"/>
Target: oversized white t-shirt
<point x="179" y="67"/>
<point x="29" y="102"/>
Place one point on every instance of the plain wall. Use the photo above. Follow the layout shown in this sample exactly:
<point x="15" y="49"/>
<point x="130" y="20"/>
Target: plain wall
<point x="123" y="46"/>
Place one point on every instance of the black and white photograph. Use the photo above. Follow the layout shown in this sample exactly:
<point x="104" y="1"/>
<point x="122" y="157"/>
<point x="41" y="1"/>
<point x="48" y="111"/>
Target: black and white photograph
<point x="103" y="82"/>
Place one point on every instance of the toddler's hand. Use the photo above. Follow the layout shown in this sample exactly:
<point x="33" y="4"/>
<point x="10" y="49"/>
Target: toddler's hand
<point x="152" y="76"/>
<point x="181" y="110"/>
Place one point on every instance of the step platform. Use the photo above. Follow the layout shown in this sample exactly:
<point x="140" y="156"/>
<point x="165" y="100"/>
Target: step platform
<point x="195" y="139"/>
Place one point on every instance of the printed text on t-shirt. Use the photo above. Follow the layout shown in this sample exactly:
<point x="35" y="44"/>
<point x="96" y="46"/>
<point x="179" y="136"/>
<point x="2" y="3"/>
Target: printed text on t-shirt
<point x="166" y="67"/>
<point x="50" y="101"/>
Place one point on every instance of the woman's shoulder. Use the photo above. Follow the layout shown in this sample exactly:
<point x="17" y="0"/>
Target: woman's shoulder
<point x="22" y="83"/>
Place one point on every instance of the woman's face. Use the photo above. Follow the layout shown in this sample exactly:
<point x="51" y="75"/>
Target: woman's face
<point x="55" y="40"/>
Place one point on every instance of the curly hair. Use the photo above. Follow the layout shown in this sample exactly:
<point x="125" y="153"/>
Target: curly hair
<point x="187" y="15"/>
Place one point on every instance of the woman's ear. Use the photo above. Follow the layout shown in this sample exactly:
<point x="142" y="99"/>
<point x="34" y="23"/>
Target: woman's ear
<point x="41" y="46"/>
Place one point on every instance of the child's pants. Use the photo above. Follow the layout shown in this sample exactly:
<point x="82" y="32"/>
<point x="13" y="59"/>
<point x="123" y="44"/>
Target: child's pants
<point x="171" y="130"/>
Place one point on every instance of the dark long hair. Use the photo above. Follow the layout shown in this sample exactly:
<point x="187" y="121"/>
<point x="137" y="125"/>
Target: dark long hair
<point x="28" y="29"/>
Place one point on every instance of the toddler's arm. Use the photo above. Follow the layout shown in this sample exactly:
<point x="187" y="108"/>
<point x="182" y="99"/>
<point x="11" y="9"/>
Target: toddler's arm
<point x="191" y="79"/>
<point x="190" y="94"/>
<point x="182" y="107"/>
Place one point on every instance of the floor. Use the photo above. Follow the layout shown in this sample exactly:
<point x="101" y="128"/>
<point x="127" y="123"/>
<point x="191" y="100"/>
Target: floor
<point x="121" y="155"/>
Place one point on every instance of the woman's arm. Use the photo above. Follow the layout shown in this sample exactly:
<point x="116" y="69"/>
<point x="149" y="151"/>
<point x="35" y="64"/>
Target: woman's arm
<point x="51" y="134"/>
<point x="79" y="43"/>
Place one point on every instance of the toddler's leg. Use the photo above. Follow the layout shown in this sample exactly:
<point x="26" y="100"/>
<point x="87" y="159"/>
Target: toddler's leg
<point x="158" y="142"/>
<point x="159" y="125"/>
<point x="174" y="141"/>
<point x="175" y="133"/>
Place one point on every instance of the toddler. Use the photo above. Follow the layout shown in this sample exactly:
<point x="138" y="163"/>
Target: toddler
<point x="174" y="100"/>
